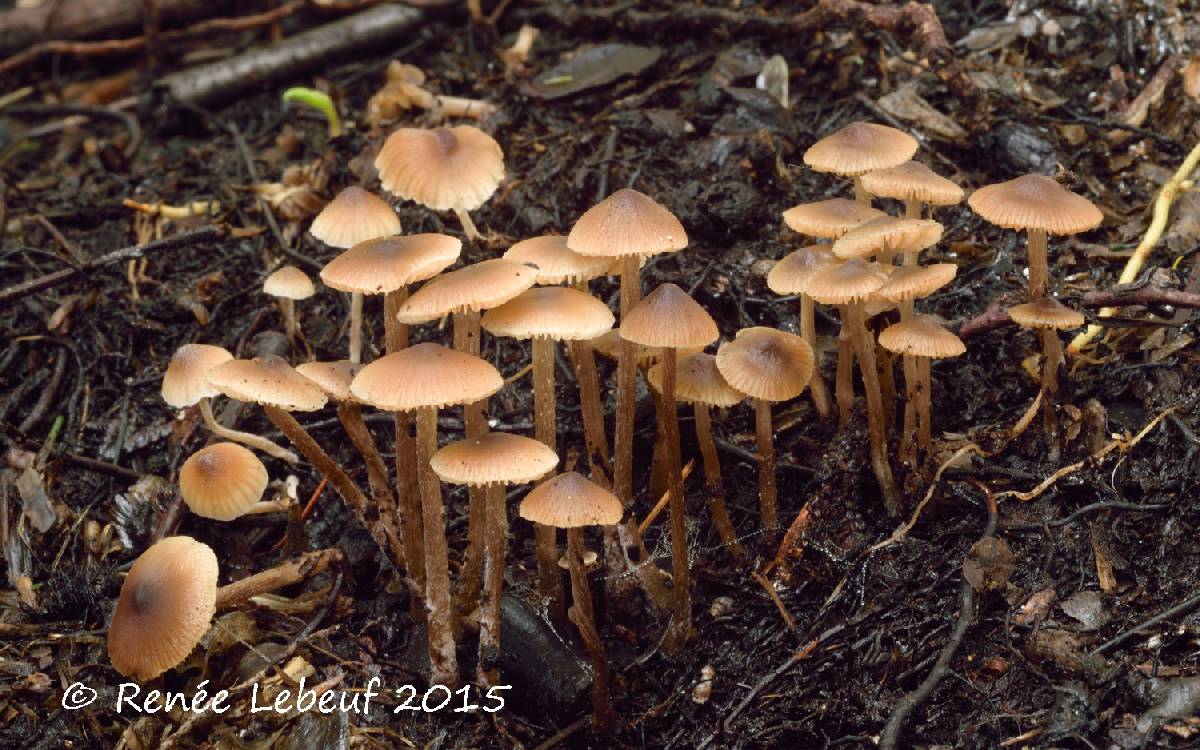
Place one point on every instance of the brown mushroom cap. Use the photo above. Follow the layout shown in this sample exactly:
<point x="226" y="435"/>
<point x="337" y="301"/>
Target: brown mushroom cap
<point x="479" y="286"/>
<point x="332" y="377"/>
<point x="554" y="312"/>
<point x="1034" y="201"/>
<point x="186" y="380"/>
<point x="914" y="282"/>
<point x="860" y="147"/>
<point x="443" y="169"/>
<point x="792" y="274"/>
<point x="829" y="219"/>
<point x="569" y="501"/>
<point x="556" y="263"/>
<point x="425" y="375"/>
<point x="669" y="318"/>
<point x="913" y="181"/>
<point x="222" y="481"/>
<point x="1045" y="312"/>
<point x="608" y="345"/>
<point x="921" y="336"/>
<point x="386" y="264"/>
<point x="627" y="223"/>
<point x="698" y="381"/>
<point x="289" y="282"/>
<point x="493" y="458"/>
<point x="354" y="216"/>
<point x="887" y="233"/>
<point x="267" y="380"/>
<point x="848" y="282"/>
<point x="166" y="604"/>
<point x="766" y="363"/>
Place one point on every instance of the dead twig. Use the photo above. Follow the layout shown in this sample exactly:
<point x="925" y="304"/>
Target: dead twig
<point x="1087" y="510"/>
<point x="1124" y="296"/>
<point x="1184" y="606"/>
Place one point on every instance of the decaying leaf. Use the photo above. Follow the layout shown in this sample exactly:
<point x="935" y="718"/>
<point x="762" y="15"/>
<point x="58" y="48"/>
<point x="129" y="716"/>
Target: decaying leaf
<point x="906" y="104"/>
<point x="595" y="66"/>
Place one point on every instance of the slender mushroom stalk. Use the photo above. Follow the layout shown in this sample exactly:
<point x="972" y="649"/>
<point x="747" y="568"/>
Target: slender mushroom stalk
<point x="1052" y="347"/>
<point x="887" y="385"/>
<point x="287" y="307"/>
<point x="440" y="614"/>
<point x="495" y="551"/>
<point x="468" y="225"/>
<point x="844" y="386"/>
<point x="350" y="415"/>
<point x="808" y="331"/>
<point x="714" y="484"/>
<point x="466" y="340"/>
<point x="626" y="386"/>
<point x="546" y="430"/>
<point x="861" y="196"/>
<point x="245" y="438"/>
<point x="594" y="435"/>
<point x="1039" y="263"/>
<point x="912" y="210"/>
<point x="356" y="315"/>
<point x="603" y="718"/>
<point x="864" y="349"/>
<point x="680" y="629"/>
<point x="409" y="495"/>
<point x="925" y="432"/>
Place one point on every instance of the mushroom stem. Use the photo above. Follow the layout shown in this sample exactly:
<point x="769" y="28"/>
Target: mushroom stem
<point x="273" y="579"/>
<point x="925" y="432"/>
<point x="545" y="430"/>
<point x="844" y="385"/>
<point x="680" y="630"/>
<point x="493" y="573"/>
<point x="468" y="225"/>
<point x="912" y="396"/>
<point x="887" y="384"/>
<point x="443" y="660"/>
<point x="356" y="315"/>
<point x="626" y="386"/>
<point x="287" y="307"/>
<point x="603" y="718"/>
<point x="590" y="407"/>
<point x="714" y="485"/>
<point x="1053" y="356"/>
<point x="808" y="330"/>
<point x="351" y="417"/>
<point x="767" y="491"/>
<point x="245" y="438"/>
<point x="396" y="335"/>
<point x="864" y="349"/>
<point x="466" y="339"/>
<point x="1039" y="263"/>
<point x="860" y="192"/>
<point x="912" y="210"/>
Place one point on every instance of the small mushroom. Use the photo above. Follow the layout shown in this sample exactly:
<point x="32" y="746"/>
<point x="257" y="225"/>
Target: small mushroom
<point x="288" y="284"/>
<point x="222" y="481"/>
<point x="1048" y="316"/>
<point x="791" y="275"/>
<point x="858" y="148"/>
<point x="915" y="184"/>
<point x="920" y="339"/>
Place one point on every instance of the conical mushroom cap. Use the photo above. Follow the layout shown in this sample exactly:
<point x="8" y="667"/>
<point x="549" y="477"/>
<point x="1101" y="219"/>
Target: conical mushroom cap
<point x="443" y="169"/>
<point x="627" y="223"/>
<point x="386" y="264"/>
<point x="493" y="458"/>
<point x="354" y="216"/>
<point x="792" y="274"/>
<point x="914" y="282"/>
<point x="860" y="147"/>
<point x="829" y="219"/>
<point x="554" y="312"/>
<point x="1045" y="312"/>
<point x="569" y="501"/>
<point x="912" y="181"/>
<point x="267" y="380"/>
<point x="425" y="375"/>
<point x="289" y="282"/>
<point x="556" y="263"/>
<point x="479" y="286"/>
<point x="1034" y="201"/>
<point x="849" y="282"/>
<point x="669" y="318"/>
<point x="186" y="380"/>
<point x="921" y="336"/>
<point x="887" y="233"/>
<point x="698" y="381"/>
<point x="222" y="481"/>
<point x="166" y="604"/>
<point x="608" y="345"/>
<point x="333" y="378"/>
<point x="766" y="364"/>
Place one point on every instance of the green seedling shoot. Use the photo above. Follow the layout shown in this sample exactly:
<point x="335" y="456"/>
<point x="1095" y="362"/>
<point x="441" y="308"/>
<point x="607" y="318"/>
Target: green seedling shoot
<point x="318" y="100"/>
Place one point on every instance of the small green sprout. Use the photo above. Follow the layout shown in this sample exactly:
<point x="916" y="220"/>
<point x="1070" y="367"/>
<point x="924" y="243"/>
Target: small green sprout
<point x="318" y="100"/>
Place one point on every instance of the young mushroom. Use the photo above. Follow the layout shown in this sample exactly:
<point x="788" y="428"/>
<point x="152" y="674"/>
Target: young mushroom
<point x="1048" y="316"/>
<point x="920" y="339"/>
<point x="568" y="501"/>
<point x="493" y="461"/>
<point x="767" y="365"/>
<point x="858" y="148"/>
<point x="354" y="216"/>
<point x="886" y="236"/>
<point x="222" y="481"/>
<point x="425" y="378"/>
<point x="444" y="169"/>
<point x="915" y="184"/>
<point x="288" y="284"/>
<point x="546" y="315"/>
<point x="791" y="276"/>
<point x="185" y="383"/>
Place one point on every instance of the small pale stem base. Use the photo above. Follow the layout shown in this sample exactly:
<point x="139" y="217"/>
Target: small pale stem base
<point x="860" y="192"/>
<point x="591" y="408"/>
<point x="407" y="492"/>
<point x="466" y="339"/>
<point x="493" y="573"/>
<point x="864" y="348"/>
<point x="356" y="315"/>
<point x="808" y="330"/>
<point x="603" y="718"/>
<point x="350" y="415"/>
<point x="443" y="660"/>
<point x="273" y="579"/>
<point x="844" y="386"/>
<point x="714" y="485"/>
<point x="257" y="442"/>
<point x="767" y="491"/>
<point x="1053" y="358"/>
<point x="680" y="629"/>
<point x="546" y="431"/>
<point x="468" y="225"/>
<point x="1039" y="263"/>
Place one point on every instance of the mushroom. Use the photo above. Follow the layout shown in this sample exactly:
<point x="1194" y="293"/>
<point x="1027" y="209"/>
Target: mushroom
<point x="444" y="169"/>
<point x="915" y="184"/>
<point x="288" y="284"/>
<point x="165" y="606"/>
<point x="849" y="285"/>
<point x="698" y="382"/>
<point x="222" y="481"/>
<point x="920" y="339"/>
<point x="354" y="216"/>
<point x="493" y="461"/>
<point x="791" y="276"/>
<point x="571" y="502"/>
<point x="829" y="219"/>
<point x="669" y="319"/>
<point x="547" y="315"/>
<point x="767" y="365"/>
<point x="858" y="148"/>
<point x="887" y="235"/>
<point x="1048" y="316"/>
<point x="425" y="378"/>
<point x="185" y="383"/>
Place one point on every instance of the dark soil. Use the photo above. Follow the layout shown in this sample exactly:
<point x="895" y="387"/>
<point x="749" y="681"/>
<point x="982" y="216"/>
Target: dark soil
<point x="89" y="356"/>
